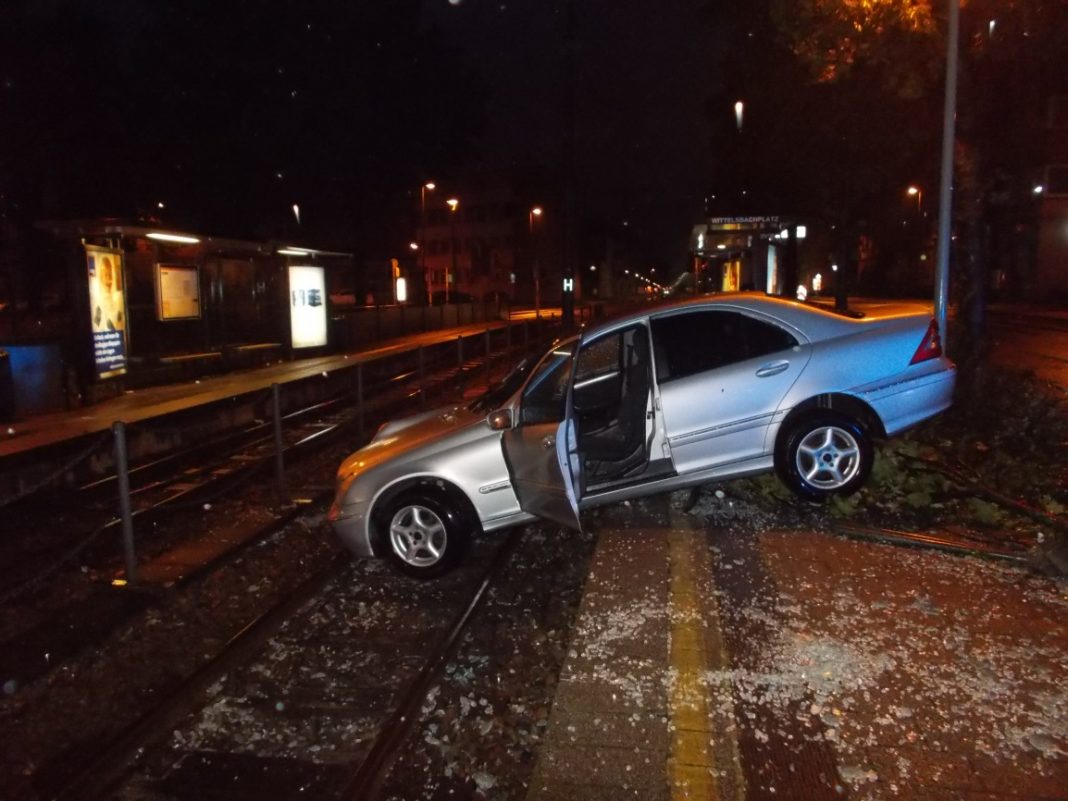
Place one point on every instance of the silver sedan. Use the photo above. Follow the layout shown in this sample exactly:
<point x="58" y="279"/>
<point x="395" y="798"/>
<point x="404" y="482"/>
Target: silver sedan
<point x="702" y="390"/>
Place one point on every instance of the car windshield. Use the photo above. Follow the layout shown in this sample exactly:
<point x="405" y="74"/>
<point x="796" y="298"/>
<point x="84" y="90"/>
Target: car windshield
<point x="502" y="390"/>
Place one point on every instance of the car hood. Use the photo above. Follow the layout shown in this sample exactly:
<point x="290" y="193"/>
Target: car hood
<point x="428" y="430"/>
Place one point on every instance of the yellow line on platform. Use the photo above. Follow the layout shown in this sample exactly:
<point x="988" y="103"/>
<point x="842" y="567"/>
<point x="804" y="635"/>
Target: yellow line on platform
<point x="690" y="769"/>
<point x="705" y="763"/>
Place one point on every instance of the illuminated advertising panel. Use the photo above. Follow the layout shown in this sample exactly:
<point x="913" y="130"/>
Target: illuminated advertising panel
<point x="307" y="306"/>
<point x="107" y="309"/>
<point x="177" y="292"/>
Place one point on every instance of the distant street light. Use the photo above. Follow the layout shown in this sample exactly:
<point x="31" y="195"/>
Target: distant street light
<point x="915" y="191"/>
<point x="429" y="186"/>
<point x="296" y="212"/>
<point x="739" y="110"/>
<point x="413" y="245"/>
<point x="453" y="204"/>
<point x="535" y="214"/>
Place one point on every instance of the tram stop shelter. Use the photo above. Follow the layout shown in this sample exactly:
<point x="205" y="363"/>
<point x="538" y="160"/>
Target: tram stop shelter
<point x="745" y="252"/>
<point x="141" y="305"/>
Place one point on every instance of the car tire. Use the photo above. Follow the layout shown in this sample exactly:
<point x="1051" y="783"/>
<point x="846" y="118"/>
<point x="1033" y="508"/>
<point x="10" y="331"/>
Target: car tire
<point x="424" y="534"/>
<point x="824" y="454"/>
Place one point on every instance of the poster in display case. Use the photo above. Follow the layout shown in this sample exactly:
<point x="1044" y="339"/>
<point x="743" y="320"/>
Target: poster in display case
<point x="177" y="292"/>
<point x="107" y="309"/>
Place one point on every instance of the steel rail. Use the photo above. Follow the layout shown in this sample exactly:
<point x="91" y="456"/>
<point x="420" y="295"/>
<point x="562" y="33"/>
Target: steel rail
<point x="100" y="775"/>
<point x="367" y="779"/>
<point x="93" y="779"/>
<point x="917" y="539"/>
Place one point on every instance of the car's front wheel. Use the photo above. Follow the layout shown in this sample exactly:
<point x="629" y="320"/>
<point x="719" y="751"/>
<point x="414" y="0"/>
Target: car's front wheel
<point x="425" y="534"/>
<point x="825" y="454"/>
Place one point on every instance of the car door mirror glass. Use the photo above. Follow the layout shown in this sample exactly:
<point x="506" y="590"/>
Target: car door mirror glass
<point x="500" y="420"/>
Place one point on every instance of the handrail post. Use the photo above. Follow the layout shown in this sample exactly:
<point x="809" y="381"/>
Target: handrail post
<point x="122" y="475"/>
<point x="460" y="362"/>
<point x="421" y="357"/>
<point x="279" y="459"/>
<point x="359" y="399"/>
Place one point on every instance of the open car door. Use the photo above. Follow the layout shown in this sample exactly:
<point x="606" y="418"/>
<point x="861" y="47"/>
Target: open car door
<point x="538" y="449"/>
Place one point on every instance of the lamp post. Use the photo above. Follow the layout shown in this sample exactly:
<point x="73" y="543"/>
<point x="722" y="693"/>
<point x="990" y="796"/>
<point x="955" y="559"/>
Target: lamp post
<point x="429" y="186"/>
<point x="945" y="190"/>
<point x="915" y="191"/>
<point x="453" y="204"/>
<point x="535" y="213"/>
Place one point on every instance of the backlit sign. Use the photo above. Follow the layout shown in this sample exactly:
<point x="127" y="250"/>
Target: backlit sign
<point x="307" y="306"/>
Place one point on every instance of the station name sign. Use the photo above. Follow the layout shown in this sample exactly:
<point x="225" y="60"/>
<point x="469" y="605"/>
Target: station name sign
<point x="767" y="220"/>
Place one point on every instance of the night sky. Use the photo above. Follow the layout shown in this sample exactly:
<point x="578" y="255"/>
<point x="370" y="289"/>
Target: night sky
<point x="228" y="114"/>
<point x="643" y="74"/>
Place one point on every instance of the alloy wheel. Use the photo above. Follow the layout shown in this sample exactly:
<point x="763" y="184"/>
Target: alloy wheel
<point x="418" y="536"/>
<point x="828" y="457"/>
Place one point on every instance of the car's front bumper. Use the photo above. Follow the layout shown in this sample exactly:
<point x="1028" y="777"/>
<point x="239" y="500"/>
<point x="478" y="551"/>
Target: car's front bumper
<point x="350" y="525"/>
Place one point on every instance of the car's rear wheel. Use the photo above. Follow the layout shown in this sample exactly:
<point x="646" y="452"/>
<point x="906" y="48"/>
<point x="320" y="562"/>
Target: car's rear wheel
<point x="825" y="454"/>
<point x="425" y="534"/>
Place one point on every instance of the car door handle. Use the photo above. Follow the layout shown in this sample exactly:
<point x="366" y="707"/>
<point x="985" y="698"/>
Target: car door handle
<point x="548" y="442"/>
<point x="772" y="369"/>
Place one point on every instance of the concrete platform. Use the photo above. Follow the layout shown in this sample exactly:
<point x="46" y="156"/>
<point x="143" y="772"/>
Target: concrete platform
<point x="716" y="664"/>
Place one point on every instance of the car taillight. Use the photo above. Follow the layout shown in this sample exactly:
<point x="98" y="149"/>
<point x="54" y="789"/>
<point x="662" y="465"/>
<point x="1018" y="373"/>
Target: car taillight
<point x="930" y="347"/>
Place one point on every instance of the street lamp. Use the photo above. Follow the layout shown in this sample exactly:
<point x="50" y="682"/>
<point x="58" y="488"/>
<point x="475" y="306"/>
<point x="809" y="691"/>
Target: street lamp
<point x="453" y="204"/>
<point x="429" y="186"/>
<point x="739" y="110"/>
<point x="535" y="213"/>
<point x="915" y="191"/>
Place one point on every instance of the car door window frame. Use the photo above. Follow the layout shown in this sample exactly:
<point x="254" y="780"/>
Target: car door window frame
<point x="666" y="370"/>
<point x="555" y="368"/>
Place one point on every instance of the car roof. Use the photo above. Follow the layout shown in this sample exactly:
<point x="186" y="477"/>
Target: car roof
<point x="804" y="317"/>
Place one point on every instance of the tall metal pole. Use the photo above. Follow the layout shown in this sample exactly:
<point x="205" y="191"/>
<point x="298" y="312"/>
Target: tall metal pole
<point x="945" y="196"/>
<point x="568" y="261"/>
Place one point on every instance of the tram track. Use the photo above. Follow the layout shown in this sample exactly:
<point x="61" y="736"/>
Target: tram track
<point x="325" y="696"/>
<point x="114" y="771"/>
<point x="67" y="639"/>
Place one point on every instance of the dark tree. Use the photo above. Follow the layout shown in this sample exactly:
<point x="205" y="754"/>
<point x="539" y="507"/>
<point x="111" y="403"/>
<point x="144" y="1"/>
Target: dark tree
<point x="843" y="112"/>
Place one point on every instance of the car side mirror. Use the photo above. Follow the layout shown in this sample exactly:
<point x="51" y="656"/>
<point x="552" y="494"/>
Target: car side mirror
<point x="500" y="420"/>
